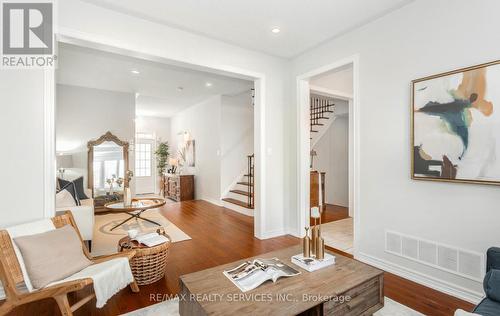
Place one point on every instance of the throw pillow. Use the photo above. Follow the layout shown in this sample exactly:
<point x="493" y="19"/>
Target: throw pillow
<point x="70" y="187"/>
<point x="52" y="256"/>
<point x="64" y="199"/>
<point x="80" y="190"/>
<point x="491" y="284"/>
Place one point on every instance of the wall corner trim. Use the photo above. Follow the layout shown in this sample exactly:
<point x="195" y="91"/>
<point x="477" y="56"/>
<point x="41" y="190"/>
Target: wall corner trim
<point x="420" y="278"/>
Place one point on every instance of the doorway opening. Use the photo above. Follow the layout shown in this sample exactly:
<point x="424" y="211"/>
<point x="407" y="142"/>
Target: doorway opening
<point x="143" y="146"/>
<point x="327" y="151"/>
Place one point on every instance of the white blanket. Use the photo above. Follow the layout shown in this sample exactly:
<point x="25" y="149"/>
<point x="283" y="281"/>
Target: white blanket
<point x="109" y="278"/>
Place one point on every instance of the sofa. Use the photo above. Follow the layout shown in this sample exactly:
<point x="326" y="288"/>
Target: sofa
<point x="83" y="215"/>
<point x="490" y="305"/>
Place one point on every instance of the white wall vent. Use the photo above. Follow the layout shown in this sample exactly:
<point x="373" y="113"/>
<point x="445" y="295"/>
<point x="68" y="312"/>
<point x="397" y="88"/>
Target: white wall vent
<point x="393" y="243"/>
<point x="427" y="252"/>
<point x="468" y="264"/>
<point x="448" y="258"/>
<point x="409" y="247"/>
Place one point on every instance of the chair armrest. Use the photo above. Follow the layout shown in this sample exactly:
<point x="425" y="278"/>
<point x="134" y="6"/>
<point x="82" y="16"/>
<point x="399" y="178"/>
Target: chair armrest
<point x="88" y="192"/>
<point x="493" y="259"/>
<point x="125" y="254"/>
<point x="56" y="289"/>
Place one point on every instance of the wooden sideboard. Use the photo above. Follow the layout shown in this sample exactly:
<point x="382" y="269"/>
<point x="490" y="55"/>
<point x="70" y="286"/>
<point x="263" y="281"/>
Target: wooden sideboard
<point x="179" y="187"/>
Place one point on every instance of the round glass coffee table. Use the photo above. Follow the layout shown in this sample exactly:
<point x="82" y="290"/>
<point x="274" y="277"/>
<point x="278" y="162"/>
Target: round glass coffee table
<point x="135" y="209"/>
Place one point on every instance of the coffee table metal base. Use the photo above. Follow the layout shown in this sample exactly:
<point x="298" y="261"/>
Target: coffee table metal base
<point x="136" y="215"/>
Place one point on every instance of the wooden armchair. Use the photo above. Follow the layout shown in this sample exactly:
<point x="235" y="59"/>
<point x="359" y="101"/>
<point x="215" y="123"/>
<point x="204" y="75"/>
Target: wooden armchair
<point x="11" y="275"/>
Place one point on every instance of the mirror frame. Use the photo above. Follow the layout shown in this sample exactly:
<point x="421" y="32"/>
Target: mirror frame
<point x="108" y="137"/>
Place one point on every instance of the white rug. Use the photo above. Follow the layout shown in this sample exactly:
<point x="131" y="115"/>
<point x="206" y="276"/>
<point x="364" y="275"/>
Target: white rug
<point x="171" y="308"/>
<point x="106" y="241"/>
<point x="339" y="234"/>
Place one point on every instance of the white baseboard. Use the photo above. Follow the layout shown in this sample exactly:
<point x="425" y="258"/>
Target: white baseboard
<point x="273" y="233"/>
<point x="420" y="278"/>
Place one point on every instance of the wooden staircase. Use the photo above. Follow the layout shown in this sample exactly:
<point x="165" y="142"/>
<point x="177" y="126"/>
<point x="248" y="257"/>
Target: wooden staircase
<point x="320" y="109"/>
<point x="242" y="194"/>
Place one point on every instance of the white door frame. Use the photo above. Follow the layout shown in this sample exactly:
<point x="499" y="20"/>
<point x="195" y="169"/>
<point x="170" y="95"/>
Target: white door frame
<point x="303" y="145"/>
<point x="69" y="36"/>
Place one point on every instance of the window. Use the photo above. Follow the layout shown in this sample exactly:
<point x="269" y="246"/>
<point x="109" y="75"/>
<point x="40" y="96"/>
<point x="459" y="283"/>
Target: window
<point x="143" y="159"/>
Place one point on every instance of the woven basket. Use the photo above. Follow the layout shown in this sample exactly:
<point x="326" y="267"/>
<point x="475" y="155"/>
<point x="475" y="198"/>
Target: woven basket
<point x="149" y="263"/>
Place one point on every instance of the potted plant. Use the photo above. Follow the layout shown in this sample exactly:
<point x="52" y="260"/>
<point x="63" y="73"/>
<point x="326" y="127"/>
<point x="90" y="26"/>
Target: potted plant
<point x="162" y="154"/>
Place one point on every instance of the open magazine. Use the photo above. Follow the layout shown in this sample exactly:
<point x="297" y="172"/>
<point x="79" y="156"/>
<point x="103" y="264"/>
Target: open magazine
<point x="250" y="274"/>
<point x="151" y="239"/>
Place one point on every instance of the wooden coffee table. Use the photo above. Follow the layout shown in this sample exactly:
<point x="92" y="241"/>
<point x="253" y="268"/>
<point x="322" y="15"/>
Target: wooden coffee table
<point x="347" y="288"/>
<point x="135" y="209"/>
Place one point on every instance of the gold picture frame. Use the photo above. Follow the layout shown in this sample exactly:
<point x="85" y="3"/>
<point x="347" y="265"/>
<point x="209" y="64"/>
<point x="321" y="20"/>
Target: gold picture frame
<point x="449" y="169"/>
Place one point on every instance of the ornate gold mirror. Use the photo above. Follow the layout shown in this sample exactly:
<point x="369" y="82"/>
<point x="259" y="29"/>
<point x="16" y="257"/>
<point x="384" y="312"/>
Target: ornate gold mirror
<point x="107" y="165"/>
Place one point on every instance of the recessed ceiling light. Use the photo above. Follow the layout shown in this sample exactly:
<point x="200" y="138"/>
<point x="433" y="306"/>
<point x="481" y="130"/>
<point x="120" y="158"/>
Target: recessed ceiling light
<point x="208" y="84"/>
<point x="180" y="88"/>
<point x="135" y="71"/>
<point x="275" y="30"/>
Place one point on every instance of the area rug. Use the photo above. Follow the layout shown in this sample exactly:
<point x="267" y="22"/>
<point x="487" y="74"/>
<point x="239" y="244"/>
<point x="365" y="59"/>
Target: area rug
<point x="339" y="234"/>
<point x="106" y="241"/>
<point x="171" y="308"/>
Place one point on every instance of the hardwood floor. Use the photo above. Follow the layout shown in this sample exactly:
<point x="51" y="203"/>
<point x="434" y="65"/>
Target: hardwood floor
<point x="220" y="236"/>
<point x="335" y="213"/>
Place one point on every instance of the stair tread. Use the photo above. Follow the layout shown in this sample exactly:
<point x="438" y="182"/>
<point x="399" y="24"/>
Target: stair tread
<point x="237" y="202"/>
<point x="245" y="193"/>
<point x="244" y="183"/>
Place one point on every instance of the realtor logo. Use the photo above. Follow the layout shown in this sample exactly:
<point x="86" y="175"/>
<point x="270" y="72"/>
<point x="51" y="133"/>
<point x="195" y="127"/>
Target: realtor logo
<point x="27" y="34"/>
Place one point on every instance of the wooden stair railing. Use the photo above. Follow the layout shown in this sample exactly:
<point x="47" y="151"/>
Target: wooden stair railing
<point x="320" y="106"/>
<point x="250" y="177"/>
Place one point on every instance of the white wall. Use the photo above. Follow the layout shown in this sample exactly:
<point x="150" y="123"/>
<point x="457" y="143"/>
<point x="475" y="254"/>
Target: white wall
<point x="423" y="38"/>
<point x="22" y="129"/>
<point x="84" y="114"/>
<point x="160" y="126"/>
<point x="202" y="121"/>
<point x="162" y="41"/>
<point x="237" y="136"/>
<point x="333" y="158"/>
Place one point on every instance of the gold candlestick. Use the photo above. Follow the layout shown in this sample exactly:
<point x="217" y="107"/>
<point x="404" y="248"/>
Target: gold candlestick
<point x="306" y="249"/>
<point x="314" y="238"/>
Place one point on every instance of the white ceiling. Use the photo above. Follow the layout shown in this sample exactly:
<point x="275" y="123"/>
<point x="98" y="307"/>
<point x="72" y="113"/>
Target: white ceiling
<point x="157" y="84"/>
<point x="337" y="80"/>
<point x="304" y="23"/>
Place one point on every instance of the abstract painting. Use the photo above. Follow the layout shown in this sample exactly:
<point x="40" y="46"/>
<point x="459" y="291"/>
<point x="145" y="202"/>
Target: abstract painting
<point x="456" y="125"/>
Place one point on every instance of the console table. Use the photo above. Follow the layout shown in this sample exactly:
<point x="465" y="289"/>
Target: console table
<point x="179" y="187"/>
<point x="347" y="288"/>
